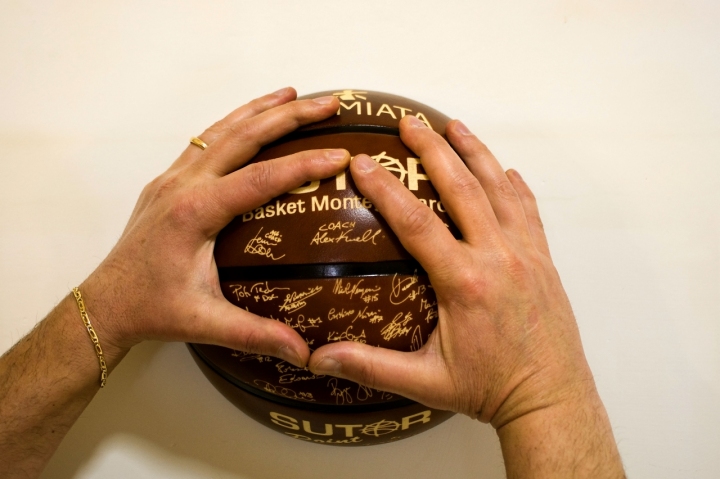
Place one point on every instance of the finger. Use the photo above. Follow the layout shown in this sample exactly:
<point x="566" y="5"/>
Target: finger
<point x="532" y="213"/>
<point x="241" y="140"/>
<point x="227" y="325"/>
<point x="249" y="110"/>
<point x="420" y="231"/>
<point x="460" y="191"/>
<point x="417" y="376"/>
<point x="258" y="183"/>
<point x="485" y="167"/>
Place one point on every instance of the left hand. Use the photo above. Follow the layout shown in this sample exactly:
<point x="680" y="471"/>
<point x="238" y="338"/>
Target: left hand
<point x="160" y="280"/>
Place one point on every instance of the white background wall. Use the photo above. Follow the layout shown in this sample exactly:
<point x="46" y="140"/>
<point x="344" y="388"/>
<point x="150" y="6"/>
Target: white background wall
<point x="611" y="111"/>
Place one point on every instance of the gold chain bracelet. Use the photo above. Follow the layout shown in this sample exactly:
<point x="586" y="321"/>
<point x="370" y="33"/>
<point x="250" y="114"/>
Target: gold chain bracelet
<point x="93" y="336"/>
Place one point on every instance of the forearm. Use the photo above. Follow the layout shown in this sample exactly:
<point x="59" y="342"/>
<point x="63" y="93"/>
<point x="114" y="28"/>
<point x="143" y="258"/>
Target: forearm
<point x="570" y="439"/>
<point x="46" y="381"/>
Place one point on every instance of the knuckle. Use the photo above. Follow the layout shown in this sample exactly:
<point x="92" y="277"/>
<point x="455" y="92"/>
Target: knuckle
<point x="185" y="209"/>
<point x="470" y="283"/>
<point x="417" y="219"/>
<point x="465" y="184"/>
<point x="250" y="342"/>
<point x="241" y="130"/>
<point x="505" y="190"/>
<point x="162" y="186"/>
<point x="367" y="375"/>
<point x="535" y="222"/>
<point x="258" y="177"/>
<point x="216" y="128"/>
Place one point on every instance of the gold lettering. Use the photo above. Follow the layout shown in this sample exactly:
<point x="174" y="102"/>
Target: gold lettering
<point x="354" y="104"/>
<point x="309" y="188"/>
<point x="320" y="205"/>
<point x="421" y="417"/>
<point x="284" y="421"/>
<point x="328" y="429"/>
<point x="340" y="181"/>
<point x="402" y="110"/>
<point x="422" y="118"/>
<point x="413" y="175"/>
<point x="385" y="108"/>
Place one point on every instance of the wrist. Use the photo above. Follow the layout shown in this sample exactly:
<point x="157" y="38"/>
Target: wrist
<point x="568" y="435"/>
<point x="108" y="312"/>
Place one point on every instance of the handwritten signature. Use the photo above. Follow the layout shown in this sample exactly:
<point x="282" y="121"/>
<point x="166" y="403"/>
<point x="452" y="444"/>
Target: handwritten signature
<point x="372" y="316"/>
<point x="283" y="391"/>
<point x="347" y="336"/>
<point x="303" y="323"/>
<point x="323" y="237"/>
<point x="295" y="301"/>
<point x="399" y="290"/>
<point x="342" y="396"/>
<point x="352" y="290"/>
<point x="397" y="327"/>
<point x="333" y="314"/>
<point x="263" y="246"/>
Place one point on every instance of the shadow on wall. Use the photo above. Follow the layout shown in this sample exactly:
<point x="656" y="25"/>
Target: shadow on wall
<point x="159" y="414"/>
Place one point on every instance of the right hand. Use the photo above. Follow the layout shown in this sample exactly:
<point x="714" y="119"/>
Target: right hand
<point x="506" y="342"/>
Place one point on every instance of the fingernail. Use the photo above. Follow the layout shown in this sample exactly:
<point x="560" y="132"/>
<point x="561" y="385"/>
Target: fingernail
<point x="328" y="366"/>
<point x="364" y="163"/>
<point x="415" y="122"/>
<point x="336" y="155"/>
<point x="282" y="91"/>
<point x="287" y="354"/>
<point x="324" y="100"/>
<point x="516" y="174"/>
<point x="461" y="128"/>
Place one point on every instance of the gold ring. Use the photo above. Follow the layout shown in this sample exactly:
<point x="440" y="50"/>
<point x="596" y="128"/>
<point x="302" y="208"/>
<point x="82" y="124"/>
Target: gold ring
<point x="198" y="142"/>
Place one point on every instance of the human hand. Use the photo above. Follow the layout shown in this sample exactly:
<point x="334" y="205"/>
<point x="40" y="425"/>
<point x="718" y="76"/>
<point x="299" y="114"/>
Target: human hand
<point x="506" y="341"/>
<point x="160" y="280"/>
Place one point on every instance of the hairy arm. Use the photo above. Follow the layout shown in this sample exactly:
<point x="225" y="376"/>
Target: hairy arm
<point x="160" y="281"/>
<point x="48" y="378"/>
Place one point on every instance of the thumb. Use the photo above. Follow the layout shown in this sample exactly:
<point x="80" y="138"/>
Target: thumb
<point x="239" y="329"/>
<point x="416" y="375"/>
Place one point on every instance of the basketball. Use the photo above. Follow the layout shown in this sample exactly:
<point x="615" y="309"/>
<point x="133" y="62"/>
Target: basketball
<point x="322" y="260"/>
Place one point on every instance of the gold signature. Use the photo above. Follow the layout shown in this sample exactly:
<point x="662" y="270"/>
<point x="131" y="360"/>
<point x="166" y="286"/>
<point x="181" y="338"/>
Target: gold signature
<point x="399" y="290"/>
<point x="295" y="301"/>
<point x="283" y="391"/>
<point x="263" y="246"/>
<point x="397" y="327"/>
<point x="342" y="396"/>
<point x="303" y="323"/>
<point x="323" y="237"/>
<point x="347" y="336"/>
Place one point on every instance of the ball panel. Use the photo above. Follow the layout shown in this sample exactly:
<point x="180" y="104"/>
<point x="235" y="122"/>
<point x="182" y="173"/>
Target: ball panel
<point x="362" y="107"/>
<point x="391" y="311"/>
<point x="328" y="221"/>
<point x="330" y="428"/>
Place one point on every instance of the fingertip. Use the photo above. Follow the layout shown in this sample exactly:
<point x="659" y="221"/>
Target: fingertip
<point x="288" y="93"/>
<point x="340" y="156"/>
<point x="364" y="164"/>
<point x="292" y="356"/>
<point x="326" y="365"/>
<point x="458" y="128"/>
<point x="514" y="175"/>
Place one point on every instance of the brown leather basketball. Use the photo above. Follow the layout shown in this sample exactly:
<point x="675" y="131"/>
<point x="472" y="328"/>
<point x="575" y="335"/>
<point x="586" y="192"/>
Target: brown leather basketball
<point x="322" y="260"/>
